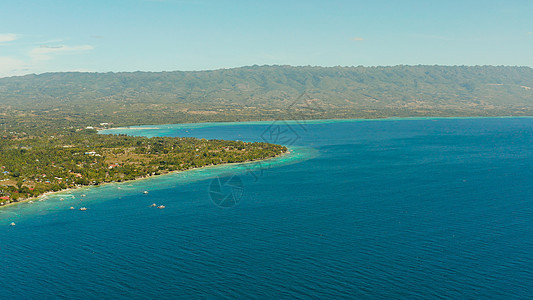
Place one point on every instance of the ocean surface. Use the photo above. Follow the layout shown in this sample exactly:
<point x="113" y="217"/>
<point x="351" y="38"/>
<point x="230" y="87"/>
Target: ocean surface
<point x="413" y="208"/>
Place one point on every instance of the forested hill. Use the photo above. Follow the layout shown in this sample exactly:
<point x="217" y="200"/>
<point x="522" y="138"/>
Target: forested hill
<point x="267" y="92"/>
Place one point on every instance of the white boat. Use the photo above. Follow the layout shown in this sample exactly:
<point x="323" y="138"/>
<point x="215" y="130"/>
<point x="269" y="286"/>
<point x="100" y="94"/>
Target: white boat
<point x="12" y="224"/>
<point x="145" y="192"/>
<point x="83" y="208"/>
<point x="153" y="205"/>
<point x="72" y="207"/>
<point x="161" y="206"/>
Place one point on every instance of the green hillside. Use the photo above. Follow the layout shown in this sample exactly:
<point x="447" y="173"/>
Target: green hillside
<point x="268" y="92"/>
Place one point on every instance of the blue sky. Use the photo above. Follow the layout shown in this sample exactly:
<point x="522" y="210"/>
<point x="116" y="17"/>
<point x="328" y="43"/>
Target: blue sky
<point x="165" y="35"/>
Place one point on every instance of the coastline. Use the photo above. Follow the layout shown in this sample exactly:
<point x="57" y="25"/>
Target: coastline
<point x="291" y="122"/>
<point x="64" y="191"/>
<point x="207" y="124"/>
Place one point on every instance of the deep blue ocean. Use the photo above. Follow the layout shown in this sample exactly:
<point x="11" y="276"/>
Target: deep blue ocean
<point x="413" y="208"/>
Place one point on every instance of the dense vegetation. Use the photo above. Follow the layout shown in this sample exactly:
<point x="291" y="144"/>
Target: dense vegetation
<point x="33" y="165"/>
<point x="47" y="141"/>
<point x="267" y="92"/>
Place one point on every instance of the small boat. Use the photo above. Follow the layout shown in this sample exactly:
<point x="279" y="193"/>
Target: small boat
<point x="83" y="195"/>
<point x="12" y="224"/>
<point x="83" y="208"/>
<point x="161" y="206"/>
<point x="72" y="207"/>
<point x="30" y="202"/>
<point x="61" y="199"/>
<point x="145" y="192"/>
<point x="153" y="205"/>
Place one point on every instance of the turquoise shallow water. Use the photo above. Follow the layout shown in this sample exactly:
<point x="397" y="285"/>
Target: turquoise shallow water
<point x="391" y="208"/>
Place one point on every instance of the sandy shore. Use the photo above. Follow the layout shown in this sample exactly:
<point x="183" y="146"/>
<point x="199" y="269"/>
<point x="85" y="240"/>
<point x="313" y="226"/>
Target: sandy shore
<point x="46" y="194"/>
<point x="129" y="128"/>
<point x="64" y="191"/>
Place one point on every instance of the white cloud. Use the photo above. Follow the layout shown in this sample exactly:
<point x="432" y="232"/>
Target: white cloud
<point x="7" y="37"/>
<point x="40" y="59"/>
<point x="44" y="52"/>
<point x="11" y="67"/>
<point x="357" y="39"/>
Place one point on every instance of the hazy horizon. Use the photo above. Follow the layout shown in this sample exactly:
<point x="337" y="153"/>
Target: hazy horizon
<point x="250" y="66"/>
<point x="155" y="35"/>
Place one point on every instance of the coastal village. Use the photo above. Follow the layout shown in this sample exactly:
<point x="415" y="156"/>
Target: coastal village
<point x="33" y="165"/>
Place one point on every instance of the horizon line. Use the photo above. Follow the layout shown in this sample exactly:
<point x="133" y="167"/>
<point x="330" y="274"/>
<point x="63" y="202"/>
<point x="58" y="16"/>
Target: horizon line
<point x="266" y="65"/>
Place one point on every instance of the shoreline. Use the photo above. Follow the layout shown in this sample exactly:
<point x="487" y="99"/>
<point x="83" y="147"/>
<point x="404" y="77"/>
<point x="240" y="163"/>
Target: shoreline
<point x="309" y="121"/>
<point x="13" y="204"/>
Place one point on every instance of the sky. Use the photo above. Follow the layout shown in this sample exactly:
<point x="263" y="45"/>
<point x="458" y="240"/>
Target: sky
<point x="167" y="35"/>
